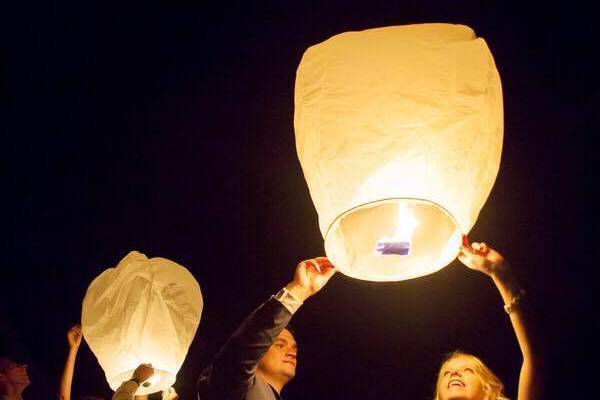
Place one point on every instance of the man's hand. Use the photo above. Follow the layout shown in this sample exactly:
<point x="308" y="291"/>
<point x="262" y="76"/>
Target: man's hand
<point x="480" y="257"/>
<point x="74" y="336"/>
<point x="310" y="276"/>
<point x="143" y="372"/>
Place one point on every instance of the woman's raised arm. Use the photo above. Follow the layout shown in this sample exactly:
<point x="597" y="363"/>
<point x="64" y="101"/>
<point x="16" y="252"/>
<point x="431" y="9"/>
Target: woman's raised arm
<point x="480" y="257"/>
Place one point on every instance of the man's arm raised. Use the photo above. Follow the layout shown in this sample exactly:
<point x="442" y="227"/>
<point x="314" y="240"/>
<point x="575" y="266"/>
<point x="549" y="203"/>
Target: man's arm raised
<point x="310" y="277"/>
<point x="234" y="367"/>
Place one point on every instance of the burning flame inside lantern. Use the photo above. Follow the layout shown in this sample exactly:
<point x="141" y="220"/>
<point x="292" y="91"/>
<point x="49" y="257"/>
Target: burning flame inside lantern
<point x="400" y="243"/>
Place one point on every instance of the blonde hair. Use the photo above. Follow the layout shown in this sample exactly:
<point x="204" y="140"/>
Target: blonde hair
<point x="491" y="383"/>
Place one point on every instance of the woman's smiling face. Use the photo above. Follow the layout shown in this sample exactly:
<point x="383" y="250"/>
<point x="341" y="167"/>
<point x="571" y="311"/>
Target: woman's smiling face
<point x="460" y="381"/>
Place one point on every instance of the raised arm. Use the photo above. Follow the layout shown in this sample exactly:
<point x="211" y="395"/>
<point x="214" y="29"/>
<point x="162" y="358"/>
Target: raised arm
<point x="480" y="257"/>
<point x="66" y="379"/>
<point x="233" y="369"/>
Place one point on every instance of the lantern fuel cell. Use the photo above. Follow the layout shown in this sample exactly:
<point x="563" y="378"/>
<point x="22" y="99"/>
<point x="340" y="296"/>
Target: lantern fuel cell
<point x="391" y="246"/>
<point x="399" y="244"/>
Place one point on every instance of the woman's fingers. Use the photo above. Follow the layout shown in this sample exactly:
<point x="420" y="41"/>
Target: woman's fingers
<point x="483" y="248"/>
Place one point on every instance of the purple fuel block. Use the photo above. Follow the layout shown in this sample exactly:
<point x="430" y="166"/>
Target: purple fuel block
<point x="388" y="246"/>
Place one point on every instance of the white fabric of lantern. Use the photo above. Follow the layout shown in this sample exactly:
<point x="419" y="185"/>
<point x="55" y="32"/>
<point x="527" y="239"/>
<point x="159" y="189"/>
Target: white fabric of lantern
<point x="142" y="311"/>
<point x="399" y="134"/>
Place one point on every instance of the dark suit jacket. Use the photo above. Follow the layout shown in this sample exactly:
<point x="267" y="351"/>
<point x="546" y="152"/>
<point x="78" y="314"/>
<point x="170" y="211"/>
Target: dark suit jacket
<point x="231" y="375"/>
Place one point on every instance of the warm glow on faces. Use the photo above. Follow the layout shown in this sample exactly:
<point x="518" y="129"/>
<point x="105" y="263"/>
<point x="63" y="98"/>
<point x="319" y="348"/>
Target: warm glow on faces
<point x="460" y="381"/>
<point x="280" y="360"/>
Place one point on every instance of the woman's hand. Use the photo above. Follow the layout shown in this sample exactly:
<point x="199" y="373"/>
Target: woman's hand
<point x="74" y="336"/>
<point x="480" y="257"/>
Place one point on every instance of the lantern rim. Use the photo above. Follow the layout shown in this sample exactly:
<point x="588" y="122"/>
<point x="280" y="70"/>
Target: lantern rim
<point x="391" y="199"/>
<point x="397" y="257"/>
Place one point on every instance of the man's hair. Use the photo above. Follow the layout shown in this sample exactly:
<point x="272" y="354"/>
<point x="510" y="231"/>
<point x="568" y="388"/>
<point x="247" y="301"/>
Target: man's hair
<point x="290" y="328"/>
<point x="492" y="385"/>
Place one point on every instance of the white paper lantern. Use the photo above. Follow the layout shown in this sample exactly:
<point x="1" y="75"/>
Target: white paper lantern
<point x="142" y="311"/>
<point x="399" y="134"/>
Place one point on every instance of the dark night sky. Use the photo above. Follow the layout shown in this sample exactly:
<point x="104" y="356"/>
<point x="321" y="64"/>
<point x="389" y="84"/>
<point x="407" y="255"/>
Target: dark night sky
<point x="168" y="128"/>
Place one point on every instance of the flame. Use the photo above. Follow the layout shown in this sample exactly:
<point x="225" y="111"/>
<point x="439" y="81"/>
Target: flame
<point x="400" y="243"/>
<point x="406" y="224"/>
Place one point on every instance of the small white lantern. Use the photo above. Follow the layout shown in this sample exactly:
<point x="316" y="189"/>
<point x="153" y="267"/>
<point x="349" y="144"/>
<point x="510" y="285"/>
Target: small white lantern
<point x="142" y="311"/>
<point x="399" y="134"/>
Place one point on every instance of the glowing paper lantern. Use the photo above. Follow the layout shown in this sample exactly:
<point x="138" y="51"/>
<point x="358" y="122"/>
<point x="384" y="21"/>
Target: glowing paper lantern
<point x="399" y="134"/>
<point x="142" y="311"/>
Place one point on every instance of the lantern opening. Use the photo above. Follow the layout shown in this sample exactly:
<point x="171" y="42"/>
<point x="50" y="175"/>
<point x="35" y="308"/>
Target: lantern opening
<point x="411" y="238"/>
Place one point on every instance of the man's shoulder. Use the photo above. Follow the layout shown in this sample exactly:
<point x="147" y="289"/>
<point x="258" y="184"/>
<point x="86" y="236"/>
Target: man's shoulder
<point x="260" y="390"/>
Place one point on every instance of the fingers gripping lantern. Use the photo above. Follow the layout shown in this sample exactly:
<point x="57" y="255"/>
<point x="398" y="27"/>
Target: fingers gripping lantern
<point x="142" y="311"/>
<point x="399" y="134"/>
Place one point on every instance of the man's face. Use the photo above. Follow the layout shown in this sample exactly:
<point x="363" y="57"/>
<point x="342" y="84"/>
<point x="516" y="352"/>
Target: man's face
<point x="280" y="359"/>
<point x="14" y="374"/>
<point x="460" y="381"/>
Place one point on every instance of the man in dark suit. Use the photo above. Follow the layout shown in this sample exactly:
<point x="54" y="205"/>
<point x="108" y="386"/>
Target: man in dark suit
<point x="259" y="358"/>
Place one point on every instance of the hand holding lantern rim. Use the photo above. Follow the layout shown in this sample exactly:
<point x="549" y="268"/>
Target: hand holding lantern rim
<point x="143" y="372"/>
<point x="480" y="257"/>
<point x="310" y="277"/>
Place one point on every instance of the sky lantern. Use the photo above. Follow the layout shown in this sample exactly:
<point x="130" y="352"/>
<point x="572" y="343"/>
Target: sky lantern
<point x="399" y="134"/>
<point x="142" y="311"/>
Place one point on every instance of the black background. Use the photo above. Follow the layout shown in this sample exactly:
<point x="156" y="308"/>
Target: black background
<point x="168" y="128"/>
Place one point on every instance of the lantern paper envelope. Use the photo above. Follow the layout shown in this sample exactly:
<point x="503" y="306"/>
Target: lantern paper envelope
<point x="399" y="134"/>
<point x="142" y="311"/>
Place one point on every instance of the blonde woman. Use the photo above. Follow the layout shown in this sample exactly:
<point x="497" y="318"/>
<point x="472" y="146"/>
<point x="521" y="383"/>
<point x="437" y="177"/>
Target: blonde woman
<point x="466" y="377"/>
